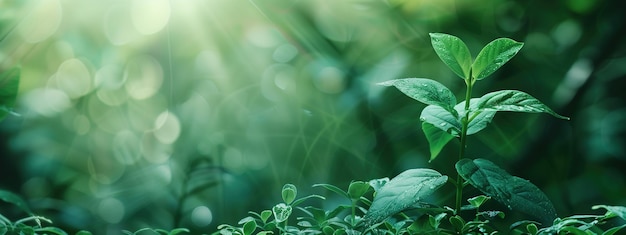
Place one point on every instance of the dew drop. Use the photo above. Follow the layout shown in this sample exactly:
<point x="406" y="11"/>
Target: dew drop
<point x="442" y="124"/>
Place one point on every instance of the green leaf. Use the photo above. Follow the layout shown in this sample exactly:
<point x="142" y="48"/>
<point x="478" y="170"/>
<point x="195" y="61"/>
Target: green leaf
<point x="514" y="192"/>
<point x="615" y="210"/>
<point x="402" y="192"/>
<point x="281" y="212"/>
<point x="334" y="189"/>
<point x="457" y="222"/>
<point x="357" y="189"/>
<point x="265" y="215"/>
<point x="437" y="139"/>
<point x="83" y="232"/>
<point x="178" y="231"/>
<point x="249" y="227"/>
<point x="9" y="84"/>
<point x="614" y="230"/>
<point x="512" y="100"/>
<point x="441" y="119"/>
<point x="479" y="119"/>
<point x="478" y="200"/>
<point x="425" y="90"/>
<point x="532" y="229"/>
<point x="453" y="52"/>
<point x="289" y="193"/>
<point x="50" y="230"/>
<point x="15" y="200"/>
<point x="493" y="56"/>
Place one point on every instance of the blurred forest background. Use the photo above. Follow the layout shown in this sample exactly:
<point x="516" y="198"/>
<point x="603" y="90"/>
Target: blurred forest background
<point x="156" y="113"/>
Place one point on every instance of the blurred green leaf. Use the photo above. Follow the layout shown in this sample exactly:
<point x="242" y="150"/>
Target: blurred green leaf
<point x="453" y="52"/>
<point x="289" y="193"/>
<point x="514" y="192"/>
<point x="249" y="227"/>
<point x="51" y="230"/>
<point x="334" y="189"/>
<point x="357" y="189"/>
<point x="402" y="192"/>
<point x="614" y="230"/>
<point x="478" y="200"/>
<point x="83" y="232"/>
<point x="615" y="210"/>
<point x="9" y="84"/>
<point x="493" y="56"/>
<point x="15" y="200"/>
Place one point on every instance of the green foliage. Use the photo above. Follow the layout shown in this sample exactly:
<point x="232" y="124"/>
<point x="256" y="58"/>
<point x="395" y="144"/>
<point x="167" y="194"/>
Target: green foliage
<point x="514" y="192"/>
<point x="402" y="192"/>
<point x="9" y="84"/>
<point x="399" y="206"/>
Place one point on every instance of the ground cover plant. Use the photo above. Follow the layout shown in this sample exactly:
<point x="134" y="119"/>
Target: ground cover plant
<point x="398" y="206"/>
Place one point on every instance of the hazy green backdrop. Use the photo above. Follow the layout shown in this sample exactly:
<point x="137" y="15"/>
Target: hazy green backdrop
<point x="124" y="106"/>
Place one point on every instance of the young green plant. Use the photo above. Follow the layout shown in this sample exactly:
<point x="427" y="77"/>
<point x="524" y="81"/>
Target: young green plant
<point x="444" y="119"/>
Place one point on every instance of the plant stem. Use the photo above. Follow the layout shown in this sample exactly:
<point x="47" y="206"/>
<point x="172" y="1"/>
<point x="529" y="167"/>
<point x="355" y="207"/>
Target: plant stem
<point x="465" y="122"/>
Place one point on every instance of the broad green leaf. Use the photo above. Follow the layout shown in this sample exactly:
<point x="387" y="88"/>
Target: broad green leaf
<point x="83" y="232"/>
<point x="249" y="227"/>
<point x="402" y="192"/>
<point x="357" y="189"/>
<point x="493" y="56"/>
<point x="437" y="139"/>
<point x="514" y="192"/>
<point x="619" y="211"/>
<point x="478" y="201"/>
<point x="15" y="200"/>
<point x="442" y="119"/>
<point x="479" y="119"/>
<point x="9" y="83"/>
<point x="513" y="100"/>
<point x="50" y="230"/>
<point x="453" y="52"/>
<point x="289" y="193"/>
<point x="425" y="90"/>
<point x="265" y="215"/>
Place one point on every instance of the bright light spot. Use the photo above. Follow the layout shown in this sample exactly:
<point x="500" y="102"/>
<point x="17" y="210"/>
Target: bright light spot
<point x="126" y="147"/>
<point x="150" y="16"/>
<point x="73" y="77"/>
<point x="144" y="77"/>
<point x="167" y="127"/>
<point x="46" y="102"/>
<point x="42" y="21"/>
<point x="111" y="210"/>
<point x="277" y="76"/>
<point x="330" y="80"/>
<point x="284" y="53"/>
<point x="285" y="79"/>
<point x="116" y="26"/>
<point x="109" y="77"/>
<point x="81" y="124"/>
<point x="567" y="33"/>
<point x="201" y="216"/>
